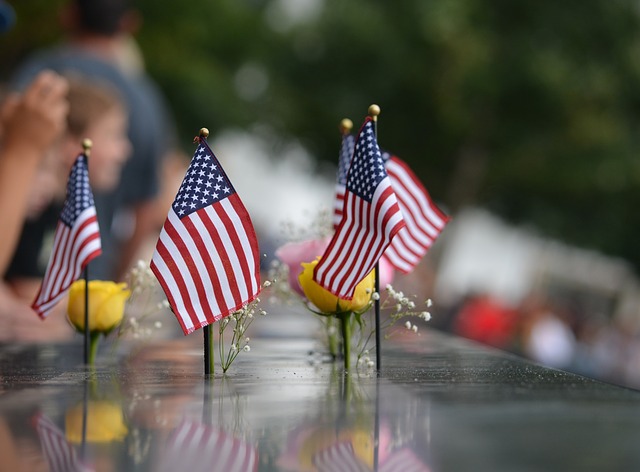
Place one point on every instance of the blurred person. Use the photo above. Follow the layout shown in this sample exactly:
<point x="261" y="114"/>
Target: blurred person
<point x="30" y="123"/>
<point x="95" y="111"/>
<point x="547" y="337"/>
<point x="99" y="45"/>
<point x="484" y="319"/>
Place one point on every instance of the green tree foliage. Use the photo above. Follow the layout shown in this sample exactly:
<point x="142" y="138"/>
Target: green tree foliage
<point x="526" y="107"/>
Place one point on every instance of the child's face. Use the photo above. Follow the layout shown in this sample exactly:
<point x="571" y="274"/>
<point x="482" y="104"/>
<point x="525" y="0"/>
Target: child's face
<point x="111" y="149"/>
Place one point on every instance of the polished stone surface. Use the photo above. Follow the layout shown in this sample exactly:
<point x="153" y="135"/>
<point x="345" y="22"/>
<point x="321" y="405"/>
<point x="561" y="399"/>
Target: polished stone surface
<point x="440" y="404"/>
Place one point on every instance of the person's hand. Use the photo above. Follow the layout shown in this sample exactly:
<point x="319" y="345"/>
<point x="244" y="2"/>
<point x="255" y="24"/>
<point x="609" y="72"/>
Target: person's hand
<point x="36" y="118"/>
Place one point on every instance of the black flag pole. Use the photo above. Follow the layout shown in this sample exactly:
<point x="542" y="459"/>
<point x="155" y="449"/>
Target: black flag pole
<point x="207" y="331"/>
<point x="87" y="144"/>
<point x="374" y="111"/>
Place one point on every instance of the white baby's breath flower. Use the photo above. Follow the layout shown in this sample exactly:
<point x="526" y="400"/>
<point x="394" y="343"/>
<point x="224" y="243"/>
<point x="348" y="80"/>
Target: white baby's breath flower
<point x="429" y="302"/>
<point x="247" y="348"/>
<point x="414" y="328"/>
<point x="407" y="325"/>
<point x="375" y="296"/>
<point x="267" y="283"/>
<point x="425" y="315"/>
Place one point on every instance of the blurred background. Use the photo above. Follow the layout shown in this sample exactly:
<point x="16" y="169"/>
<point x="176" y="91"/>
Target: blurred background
<point x="521" y="119"/>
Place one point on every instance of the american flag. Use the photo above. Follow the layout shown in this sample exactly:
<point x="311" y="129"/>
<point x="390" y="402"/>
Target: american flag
<point x="424" y="220"/>
<point x="198" y="447"/>
<point x="59" y="454"/>
<point x="346" y="151"/>
<point x="76" y="240"/>
<point x="206" y="258"/>
<point x="371" y="219"/>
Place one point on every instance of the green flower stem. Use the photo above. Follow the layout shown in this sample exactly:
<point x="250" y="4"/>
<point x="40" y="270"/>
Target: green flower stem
<point x="345" y="325"/>
<point x="93" y="347"/>
<point x="333" y="341"/>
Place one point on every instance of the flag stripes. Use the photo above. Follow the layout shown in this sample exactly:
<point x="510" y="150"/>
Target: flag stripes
<point x="424" y="220"/>
<point x="76" y="241"/>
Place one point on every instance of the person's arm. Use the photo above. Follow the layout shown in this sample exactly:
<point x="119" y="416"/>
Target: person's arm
<point x="30" y="124"/>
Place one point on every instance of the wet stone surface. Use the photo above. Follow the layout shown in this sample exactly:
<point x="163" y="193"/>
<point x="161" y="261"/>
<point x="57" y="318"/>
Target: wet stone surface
<point x="440" y="404"/>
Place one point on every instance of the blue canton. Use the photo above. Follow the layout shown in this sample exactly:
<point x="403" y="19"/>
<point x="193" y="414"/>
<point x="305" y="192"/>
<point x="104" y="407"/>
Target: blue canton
<point x="367" y="169"/>
<point x="79" y="196"/>
<point x="204" y="184"/>
<point x="346" y="151"/>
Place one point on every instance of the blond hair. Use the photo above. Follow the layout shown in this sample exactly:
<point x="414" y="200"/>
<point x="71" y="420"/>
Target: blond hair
<point x="88" y="101"/>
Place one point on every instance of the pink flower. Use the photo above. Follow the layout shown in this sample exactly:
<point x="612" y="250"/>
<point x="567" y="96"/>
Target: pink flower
<point x="386" y="272"/>
<point x="294" y="254"/>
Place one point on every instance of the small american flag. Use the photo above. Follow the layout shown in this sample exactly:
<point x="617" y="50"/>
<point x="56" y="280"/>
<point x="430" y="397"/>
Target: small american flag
<point x="59" y="454"/>
<point x="76" y="240"/>
<point x="346" y="151"/>
<point x="207" y="258"/>
<point x="371" y="218"/>
<point x="423" y="218"/>
<point x="197" y="447"/>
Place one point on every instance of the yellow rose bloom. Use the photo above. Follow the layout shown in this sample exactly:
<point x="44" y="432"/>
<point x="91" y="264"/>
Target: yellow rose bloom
<point x="106" y="304"/>
<point x="105" y="423"/>
<point x="326" y="301"/>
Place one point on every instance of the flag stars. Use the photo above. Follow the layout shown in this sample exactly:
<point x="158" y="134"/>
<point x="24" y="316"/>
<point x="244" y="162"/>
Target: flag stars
<point x="204" y="184"/>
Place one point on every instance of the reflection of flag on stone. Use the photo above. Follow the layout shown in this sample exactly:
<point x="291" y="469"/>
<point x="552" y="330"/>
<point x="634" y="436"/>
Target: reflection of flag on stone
<point x="206" y="258"/>
<point x="76" y="240"/>
<point x="403" y="460"/>
<point x="341" y="457"/>
<point x="424" y="220"/>
<point x="60" y="455"/>
<point x="338" y="457"/>
<point x="346" y="151"/>
<point x="197" y="447"/>
<point x="371" y="219"/>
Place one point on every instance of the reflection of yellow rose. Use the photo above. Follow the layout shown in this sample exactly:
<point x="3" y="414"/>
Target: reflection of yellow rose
<point x="328" y="302"/>
<point x="106" y="304"/>
<point x="105" y="423"/>
<point x="323" y="438"/>
<point x="362" y="443"/>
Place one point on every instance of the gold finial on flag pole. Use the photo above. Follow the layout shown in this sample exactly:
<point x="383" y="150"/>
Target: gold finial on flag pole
<point x="203" y="134"/>
<point x="87" y="144"/>
<point x="374" y="111"/>
<point x="345" y="126"/>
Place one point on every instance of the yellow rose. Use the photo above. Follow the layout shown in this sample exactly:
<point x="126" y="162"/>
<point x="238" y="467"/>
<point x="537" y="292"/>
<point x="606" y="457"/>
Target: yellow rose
<point x="106" y="305"/>
<point x="326" y="301"/>
<point x="105" y="423"/>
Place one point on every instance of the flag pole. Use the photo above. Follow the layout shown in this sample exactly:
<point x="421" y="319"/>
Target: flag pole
<point x="374" y="111"/>
<point x="87" y="144"/>
<point x="209" y="364"/>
